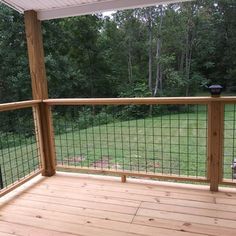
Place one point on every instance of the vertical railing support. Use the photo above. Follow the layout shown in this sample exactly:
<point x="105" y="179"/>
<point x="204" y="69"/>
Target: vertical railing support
<point x="46" y="142"/>
<point x="215" y="143"/>
<point x="40" y="91"/>
<point x="123" y="178"/>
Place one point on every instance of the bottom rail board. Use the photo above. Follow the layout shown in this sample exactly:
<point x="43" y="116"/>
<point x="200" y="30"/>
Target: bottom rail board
<point x="133" y="173"/>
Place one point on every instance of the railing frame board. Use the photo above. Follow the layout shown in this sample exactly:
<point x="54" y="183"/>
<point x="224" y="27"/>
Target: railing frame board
<point x="138" y="101"/>
<point x="19" y="183"/>
<point x="18" y="105"/>
<point x="134" y="174"/>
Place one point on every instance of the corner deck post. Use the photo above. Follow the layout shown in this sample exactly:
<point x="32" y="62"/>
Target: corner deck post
<point x="40" y="91"/>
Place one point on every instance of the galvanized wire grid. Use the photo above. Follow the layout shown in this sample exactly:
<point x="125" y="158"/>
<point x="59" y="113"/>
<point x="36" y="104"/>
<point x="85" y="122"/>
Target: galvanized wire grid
<point x="19" y="154"/>
<point x="229" y="157"/>
<point x="164" y="139"/>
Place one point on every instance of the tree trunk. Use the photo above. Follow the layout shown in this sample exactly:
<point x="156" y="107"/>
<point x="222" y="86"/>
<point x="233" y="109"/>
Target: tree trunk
<point x="190" y="36"/>
<point x="188" y="56"/>
<point x="150" y="52"/>
<point x="181" y="65"/>
<point x="158" y="56"/>
<point x="188" y="67"/>
<point x="130" y="70"/>
<point x="158" y="69"/>
<point x="91" y="75"/>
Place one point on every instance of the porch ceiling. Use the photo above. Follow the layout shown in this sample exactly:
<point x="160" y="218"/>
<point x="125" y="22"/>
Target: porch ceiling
<point x="51" y="9"/>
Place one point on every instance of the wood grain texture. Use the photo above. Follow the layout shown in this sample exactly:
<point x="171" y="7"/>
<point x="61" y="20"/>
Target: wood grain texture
<point x="215" y="143"/>
<point x="36" y="55"/>
<point x="47" y="141"/>
<point x="78" y="205"/>
<point x="123" y="178"/>
<point x="132" y="173"/>
<point x="127" y="101"/>
<point x="18" y="105"/>
<point x="40" y="91"/>
<point x="19" y="183"/>
<point x="139" y="101"/>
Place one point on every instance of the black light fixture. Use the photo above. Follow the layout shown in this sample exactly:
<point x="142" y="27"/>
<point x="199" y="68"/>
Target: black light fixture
<point x="215" y="90"/>
<point x="1" y="179"/>
<point x="233" y="166"/>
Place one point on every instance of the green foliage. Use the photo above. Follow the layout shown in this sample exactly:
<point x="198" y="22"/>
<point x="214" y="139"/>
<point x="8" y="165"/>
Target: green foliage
<point x="16" y="127"/>
<point x="136" y="90"/>
<point x="80" y="120"/>
<point x="14" y="72"/>
<point x="96" y="56"/>
<point x="134" y="111"/>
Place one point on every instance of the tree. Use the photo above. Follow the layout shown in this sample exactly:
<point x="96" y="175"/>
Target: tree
<point x="14" y="72"/>
<point x="170" y="50"/>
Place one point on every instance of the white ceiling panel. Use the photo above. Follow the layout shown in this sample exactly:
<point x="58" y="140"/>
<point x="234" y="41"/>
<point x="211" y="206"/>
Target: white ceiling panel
<point x="51" y="9"/>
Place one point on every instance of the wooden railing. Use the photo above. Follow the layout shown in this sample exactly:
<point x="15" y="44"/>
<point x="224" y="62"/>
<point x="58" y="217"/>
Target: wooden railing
<point x="18" y="105"/>
<point x="214" y="138"/>
<point x="19" y="144"/>
<point x="220" y="130"/>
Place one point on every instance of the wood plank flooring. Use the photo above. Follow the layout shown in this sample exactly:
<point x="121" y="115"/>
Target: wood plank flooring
<point x="73" y="204"/>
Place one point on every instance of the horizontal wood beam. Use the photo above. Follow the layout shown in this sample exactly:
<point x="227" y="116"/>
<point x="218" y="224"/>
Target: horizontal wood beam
<point x="138" y="101"/>
<point x="118" y="101"/>
<point x="127" y="101"/>
<point x="228" y="182"/>
<point x="19" y="183"/>
<point x="18" y="105"/>
<point x="133" y="173"/>
<point x="115" y="101"/>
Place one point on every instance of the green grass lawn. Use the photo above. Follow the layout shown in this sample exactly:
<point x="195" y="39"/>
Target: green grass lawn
<point x="173" y="144"/>
<point x="18" y="161"/>
<point x="170" y="144"/>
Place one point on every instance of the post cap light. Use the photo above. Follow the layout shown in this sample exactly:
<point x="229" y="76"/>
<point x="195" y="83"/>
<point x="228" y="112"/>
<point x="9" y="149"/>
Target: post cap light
<point x="215" y="90"/>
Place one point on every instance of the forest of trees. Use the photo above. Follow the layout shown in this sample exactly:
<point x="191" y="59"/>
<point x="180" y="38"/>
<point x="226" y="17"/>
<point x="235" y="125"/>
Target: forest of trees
<point x="171" y="50"/>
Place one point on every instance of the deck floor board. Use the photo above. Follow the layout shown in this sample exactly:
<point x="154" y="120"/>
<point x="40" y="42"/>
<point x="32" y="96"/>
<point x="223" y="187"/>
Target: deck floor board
<point x="73" y="204"/>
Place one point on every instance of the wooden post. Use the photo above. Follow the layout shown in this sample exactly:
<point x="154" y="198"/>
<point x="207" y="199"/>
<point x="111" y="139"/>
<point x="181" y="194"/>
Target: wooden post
<point x="40" y="91"/>
<point x="215" y="143"/>
<point x="123" y="178"/>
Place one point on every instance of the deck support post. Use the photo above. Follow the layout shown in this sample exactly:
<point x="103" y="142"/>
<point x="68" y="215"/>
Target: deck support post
<point x="215" y="143"/>
<point x="42" y="114"/>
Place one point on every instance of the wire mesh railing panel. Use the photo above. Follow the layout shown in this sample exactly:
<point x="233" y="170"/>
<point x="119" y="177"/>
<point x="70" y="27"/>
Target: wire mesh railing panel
<point x="229" y="156"/>
<point x="19" y="154"/>
<point x="161" y="139"/>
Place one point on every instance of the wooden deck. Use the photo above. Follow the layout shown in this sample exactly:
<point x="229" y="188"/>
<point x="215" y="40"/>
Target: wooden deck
<point x="71" y="204"/>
